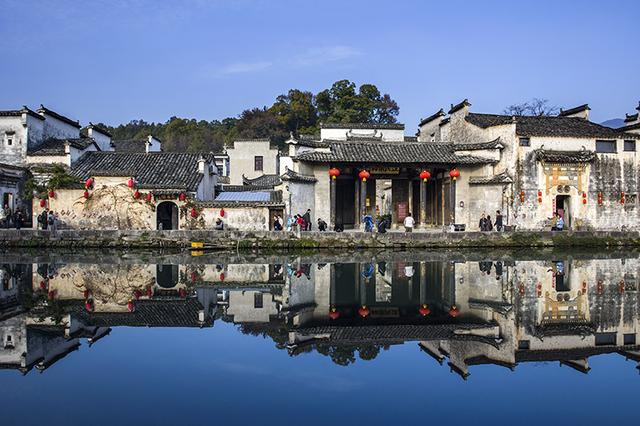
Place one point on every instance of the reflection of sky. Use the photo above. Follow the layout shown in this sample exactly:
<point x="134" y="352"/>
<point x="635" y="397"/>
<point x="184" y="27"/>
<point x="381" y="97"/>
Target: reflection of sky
<point x="218" y="375"/>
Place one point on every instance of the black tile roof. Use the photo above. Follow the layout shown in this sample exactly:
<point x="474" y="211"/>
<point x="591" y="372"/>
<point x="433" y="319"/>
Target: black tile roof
<point x="411" y="139"/>
<point x="275" y="202"/>
<point x="391" y="126"/>
<point x="391" y="153"/>
<point x="309" y="141"/>
<point x="549" y="126"/>
<point x="454" y="108"/>
<point x="432" y="117"/>
<point x="501" y="178"/>
<point x="263" y="181"/>
<point x="494" y="144"/>
<point x="245" y="188"/>
<point x="570" y="111"/>
<point x="129" y="145"/>
<point x="153" y="170"/>
<point x="98" y="129"/>
<point x="47" y="111"/>
<point x="19" y="112"/>
<point x="292" y="176"/>
<point x="549" y="156"/>
<point x="56" y="146"/>
<point x="629" y="118"/>
<point x="630" y="127"/>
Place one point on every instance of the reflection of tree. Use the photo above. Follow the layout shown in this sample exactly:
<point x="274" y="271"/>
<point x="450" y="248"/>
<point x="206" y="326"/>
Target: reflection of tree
<point x="115" y="283"/>
<point x="345" y="354"/>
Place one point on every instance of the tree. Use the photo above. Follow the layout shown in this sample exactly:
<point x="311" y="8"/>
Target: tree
<point x="535" y="107"/>
<point x="296" y="111"/>
<point x="260" y="123"/>
<point x="342" y="104"/>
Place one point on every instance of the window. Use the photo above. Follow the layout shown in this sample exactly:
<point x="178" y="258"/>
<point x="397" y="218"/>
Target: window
<point x="9" y="141"/>
<point x="605" y="339"/>
<point x="629" y="339"/>
<point x="257" y="300"/>
<point x="606" y="146"/>
<point x="630" y="146"/>
<point x="258" y="163"/>
<point x="524" y="345"/>
<point x="525" y="142"/>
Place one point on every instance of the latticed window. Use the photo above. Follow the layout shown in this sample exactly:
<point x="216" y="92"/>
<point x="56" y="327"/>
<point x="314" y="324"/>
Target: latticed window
<point x="258" y="163"/>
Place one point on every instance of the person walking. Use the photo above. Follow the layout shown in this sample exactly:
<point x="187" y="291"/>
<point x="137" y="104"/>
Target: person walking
<point x="383" y="224"/>
<point x="498" y="221"/>
<point x="489" y="225"/>
<point x="408" y="223"/>
<point x="483" y="223"/>
<point x="368" y="223"/>
<point x="307" y="220"/>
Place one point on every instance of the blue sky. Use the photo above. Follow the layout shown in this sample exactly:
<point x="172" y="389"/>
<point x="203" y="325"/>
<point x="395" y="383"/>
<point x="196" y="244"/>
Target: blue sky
<point x="113" y="61"/>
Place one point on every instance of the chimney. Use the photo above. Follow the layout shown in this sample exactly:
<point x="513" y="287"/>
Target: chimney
<point x="202" y="164"/>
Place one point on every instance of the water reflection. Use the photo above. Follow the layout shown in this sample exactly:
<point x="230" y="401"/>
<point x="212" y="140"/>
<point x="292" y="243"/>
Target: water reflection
<point x="464" y="310"/>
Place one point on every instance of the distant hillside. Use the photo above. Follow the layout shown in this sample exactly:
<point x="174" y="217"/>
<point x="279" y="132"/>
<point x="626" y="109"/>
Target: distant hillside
<point x="614" y="123"/>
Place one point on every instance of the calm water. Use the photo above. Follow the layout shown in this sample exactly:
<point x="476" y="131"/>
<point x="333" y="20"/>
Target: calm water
<point x="335" y="338"/>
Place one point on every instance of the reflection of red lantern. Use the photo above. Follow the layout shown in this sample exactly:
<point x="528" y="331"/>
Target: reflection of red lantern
<point x="364" y="175"/>
<point x="86" y="194"/>
<point x="136" y="194"/>
<point x="425" y="175"/>
<point x="137" y="294"/>
<point x="88" y="305"/>
<point x="222" y="276"/>
<point x="43" y="203"/>
<point x="149" y="197"/>
<point x="194" y="212"/>
<point x="182" y="196"/>
<point x="51" y="193"/>
<point x="424" y="310"/>
<point x="88" y="183"/>
<point x="363" y="311"/>
<point x="130" y="183"/>
<point x="182" y="292"/>
<point x="454" y="174"/>
<point x="221" y="212"/>
<point x="131" y="306"/>
<point x="334" y="172"/>
<point x="334" y="314"/>
<point x="454" y="312"/>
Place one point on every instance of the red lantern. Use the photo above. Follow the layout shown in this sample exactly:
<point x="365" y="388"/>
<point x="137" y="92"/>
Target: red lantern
<point x="425" y="175"/>
<point x="43" y="203"/>
<point x="51" y="193"/>
<point x="137" y="294"/>
<point x="182" y="196"/>
<point x="130" y="183"/>
<point x="334" y="173"/>
<point x="43" y="285"/>
<point x="454" y="173"/>
<point x="136" y="194"/>
<point x="86" y="194"/>
<point x="599" y="198"/>
<point x="333" y="314"/>
<point x="149" y="197"/>
<point x="194" y="212"/>
<point x="194" y="276"/>
<point x="88" y="305"/>
<point x="424" y="310"/>
<point x="622" y="198"/>
<point x="222" y="276"/>
<point x="149" y="291"/>
<point x="522" y="196"/>
<point x="364" y="175"/>
<point x="131" y="306"/>
<point x="88" y="183"/>
<point x="454" y="312"/>
<point x="87" y="294"/>
<point x="183" y="293"/>
<point x="363" y="311"/>
<point x="221" y="212"/>
<point x="51" y="295"/>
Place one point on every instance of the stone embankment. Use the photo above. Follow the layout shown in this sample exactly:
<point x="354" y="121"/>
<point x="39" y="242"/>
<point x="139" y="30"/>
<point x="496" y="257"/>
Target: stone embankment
<point x="235" y="240"/>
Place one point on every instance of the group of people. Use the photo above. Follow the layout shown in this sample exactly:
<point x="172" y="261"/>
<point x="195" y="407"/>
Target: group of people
<point x="557" y="222"/>
<point x="487" y="224"/>
<point x="9" y="218"/>
<point x="48" y="220"/>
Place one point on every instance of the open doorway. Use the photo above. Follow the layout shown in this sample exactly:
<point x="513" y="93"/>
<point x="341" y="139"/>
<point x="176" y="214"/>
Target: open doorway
<point x="563" y="209"/>
<point x="167" y="215"/>
<point x="345" y="202"/>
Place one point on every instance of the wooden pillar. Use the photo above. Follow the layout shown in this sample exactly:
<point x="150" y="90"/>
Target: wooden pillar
<point x="423" y="203"/>
<point x="363" y="199"/>
<point x="333" y="194"/>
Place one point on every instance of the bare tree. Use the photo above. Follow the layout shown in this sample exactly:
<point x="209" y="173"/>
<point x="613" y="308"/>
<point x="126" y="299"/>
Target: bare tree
<point x="537" y="107"/>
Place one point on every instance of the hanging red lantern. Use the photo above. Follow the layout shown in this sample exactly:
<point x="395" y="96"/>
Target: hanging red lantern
<point x="194" y="212"/>
<point x="522" y="196"/>
<point x="51" y="193"/>
<point x="137" y="294"/>
<point x="222" y="212"/>
<point x="149" y="197"/>
<point x="454" y="173"/>
<point x="622" y="198"/>
<point x="222" y="276"/>
<point x="88" y="183"/>
<point x="86" y="194"/>
<point x="87" y="294"/>
<point x="600" y="287"/>
<point x="334" y="172"/>
<point x="600" y="198"/>
<point x="183" y="293"/>
<point x="51" y="295"/>
<point x="43" y="285"/>
<point x="136" y="194"/>
<point x="425" y="175"/>
<point x="424" y="310"/>
<point x="334" y="314"/>
<point x="521" y="289"/>
<point x="364" y="175"/>
<point x="131" y="306"/>
<point x="454" y="312"/>
<point x="621" y="287"/>
<point x="149" y="291"/>
<point x="194" y="276"/>
<point x="43" y="203"/>
<point x="539" y="196"/>
<point x="182" y="196"/>
<point x="88" y="305"/>
<point x="363" y="311"/>
<point x="130" y="183"/>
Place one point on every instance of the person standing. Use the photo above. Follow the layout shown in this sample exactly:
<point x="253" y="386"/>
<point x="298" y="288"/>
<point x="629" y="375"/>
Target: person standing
<point x="559" y="223"/>
<point x="489" y="224"/>
<point x="307" y="220"/>
<point x="7" y="216"/>
<point x="51" y="221"/>
<point x="17" y="219"/>
<point x="277" y="225"/>
<point x="483" y="223"/>
<point x="408" y="223"/>
<point x="498" y="221"/>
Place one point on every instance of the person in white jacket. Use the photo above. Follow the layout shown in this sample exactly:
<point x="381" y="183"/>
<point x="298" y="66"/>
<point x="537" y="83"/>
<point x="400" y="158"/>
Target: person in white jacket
<point x="408" y="223"/>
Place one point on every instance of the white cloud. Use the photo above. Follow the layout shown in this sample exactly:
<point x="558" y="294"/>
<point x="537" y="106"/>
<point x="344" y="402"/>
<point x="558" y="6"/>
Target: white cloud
<point x="323" y="55"/>
<point x="244" y="67"/>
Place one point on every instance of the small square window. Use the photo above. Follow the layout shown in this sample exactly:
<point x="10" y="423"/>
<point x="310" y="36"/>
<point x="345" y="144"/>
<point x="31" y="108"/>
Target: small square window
<point x="524" y="344"/>
<point x="629" y="339"/>
<point x="257" y="300"/>
<point x="9" y="141"/>
<point x="630" y="146"/>
<point x="525" y="142"/>
<point x="606" y="147"/>
<point x="258" y="163"/>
